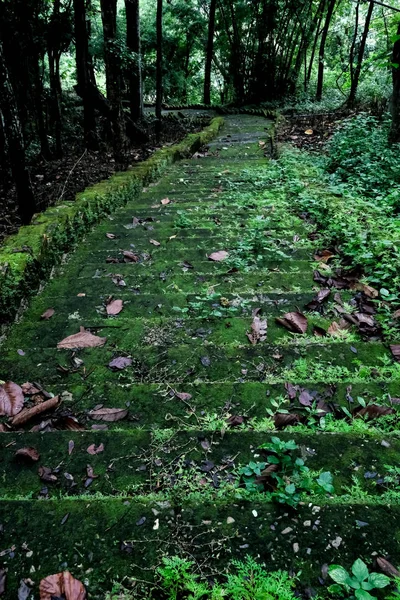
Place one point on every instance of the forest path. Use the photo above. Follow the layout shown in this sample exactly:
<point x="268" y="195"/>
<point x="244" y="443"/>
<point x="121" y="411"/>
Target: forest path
<point x="193" y="397"/>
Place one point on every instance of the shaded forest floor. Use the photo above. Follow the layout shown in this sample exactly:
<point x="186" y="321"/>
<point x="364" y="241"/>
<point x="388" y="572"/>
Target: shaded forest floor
<point x="62" y="179"/>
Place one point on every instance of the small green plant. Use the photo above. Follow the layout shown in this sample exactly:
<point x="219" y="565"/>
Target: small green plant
<point x="284" y="474"/>
<point x="252" y="582"/>
<point x="359" y="583"/>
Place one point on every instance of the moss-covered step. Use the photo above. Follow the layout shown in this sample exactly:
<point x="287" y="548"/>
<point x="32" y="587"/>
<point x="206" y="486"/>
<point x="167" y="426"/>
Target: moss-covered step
<point x="61" y="227"/>
<point x="212" y="404"/>
<point x="165" y="332"/>
<point x="103" y="541"/>
<point x="183" y="363"/>
<point x="134" y="462"/>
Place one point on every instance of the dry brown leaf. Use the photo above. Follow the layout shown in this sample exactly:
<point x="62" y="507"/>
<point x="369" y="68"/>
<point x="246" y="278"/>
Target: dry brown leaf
<point x="108" y="414"/>
<point x="395" y="350"/>
<point x="219" y="256"/>
<point x="368" y="290"/>
<point x="324" y="256"/>
<point x="111" y="236"/>
<point x="165" y="201"/>
<point x="114" y="307"/>
<point x="61" y="585"/>
<point x="130" y="256"/>
<point x="3" y="579"/>
<point x="336" y="329"/>
<point x="258" y="331"/>
<point x="155" y="243"/>
<point x="309" y="131"/>
<point x="28" y="453"/>
<point x="183" y="396"/>
<point x="373" y="411"/>
<point x="28" y="413"/>
<point x="396" y="315"/>
<point x="29" y="389"/>
<point x="387" y="568"/>
<point x="93" y="449"/>
<point x="83" y="339"/>
<point x="47" y="314"/>
<point x="294" y="321"/>
<point x="11" y="399"/>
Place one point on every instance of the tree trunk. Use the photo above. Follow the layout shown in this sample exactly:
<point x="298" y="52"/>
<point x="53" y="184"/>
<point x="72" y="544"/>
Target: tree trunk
<point x="328" y="19"/>
<point x="357" y="71"/>
<point x="135" y="71"/>
<point x="54" y="52"/>
<point x="113" y="77"/>
<point x="210" y="52"/>
<point x="159" y="67"/>
<point x="15" y="141"/>
<point x="394" y="135"/>
<point x="314" y="46"/>
<point x="83" y="74"/>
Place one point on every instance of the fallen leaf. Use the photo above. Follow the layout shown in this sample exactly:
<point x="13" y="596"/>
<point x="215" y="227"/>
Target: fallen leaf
<point x="111" y="236"/>
<point x="373" y="411"/>
<point x="336" y="329"/>
<point x="11" y="399"/>
<point x="29" y="413"/>
<point x="155" y="243"/>
<point x="205" y="361"/>
<point x="368" y="290"/>
<point x="71" y="446"/>
<point x="309" y="131"/>
<point x="305" y="398"/>
<point x="291" y="390"/>
<point x="83" y="339"/>
<point x="120" y="363"/>
<point x="130" y="256"/>
<point x="46" y="474"/>
<point x="286" y="419"/>
<point x="259" y="331"/>
<point x="114" y="307"/>
<point x="294" y="321"/>
<point x="395" y="350"/>
<point x="165" y="201"/>
<point x="219" y="256"/>
<point x="48" y="314"/>
<point x="318" y="300"/>
<point x="28" y="453"/>
<point x="3" y="579"/>
<point x="323" y="256"/>
<point x="387" y="567"/>
<point x="29" y="389"/>
<point x="235" y="420"/>
<point x="108" y="414"/>
<point x="61" y="585"/>
<point x="93" y="449"/>
<point x="396" y="315"/>
<point x="183" y="396"/>
<point x="24" y="589"/>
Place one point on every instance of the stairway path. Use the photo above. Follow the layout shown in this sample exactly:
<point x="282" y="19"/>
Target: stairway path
<point x="163" y="481"/>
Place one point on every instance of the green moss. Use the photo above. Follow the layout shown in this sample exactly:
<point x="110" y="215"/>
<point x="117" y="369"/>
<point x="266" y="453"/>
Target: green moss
<point x="61" y="227"/>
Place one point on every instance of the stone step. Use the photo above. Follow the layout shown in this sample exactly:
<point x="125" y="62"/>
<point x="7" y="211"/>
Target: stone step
<point x="105" y="540"/>
<point x="137" y="462"/>
<point x="357" y="361"/>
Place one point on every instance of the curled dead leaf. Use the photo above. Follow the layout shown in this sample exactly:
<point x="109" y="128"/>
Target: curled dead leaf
<point x="155" y="243"/>
<point x="394" y="348"/>
<point x="11" y="399"/>
<point x="258" y="331"/>
<point x="83" y="339"/>
<point x="62" y="585"/>
<point x="294" y="321"/>
<point x="108" y="414"/>
<point x="387" y="568"/>
<point x="323" y="256"/>
<point x="46" y="474"/>
<point x="28" y="453"/>
<point x="165" y="201"/>
<point x="29" y="413"/>
<point x="120" y="363"/>
<point x="286" y="419"/>
<point x="130" y="256"/>
<point x="373" y="411"/>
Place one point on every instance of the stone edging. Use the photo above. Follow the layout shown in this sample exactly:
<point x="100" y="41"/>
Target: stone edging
<point x="26" y="258"/>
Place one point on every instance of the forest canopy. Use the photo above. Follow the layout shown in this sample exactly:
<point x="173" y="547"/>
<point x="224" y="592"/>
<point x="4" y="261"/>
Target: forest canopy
<point x="88" y="68"/>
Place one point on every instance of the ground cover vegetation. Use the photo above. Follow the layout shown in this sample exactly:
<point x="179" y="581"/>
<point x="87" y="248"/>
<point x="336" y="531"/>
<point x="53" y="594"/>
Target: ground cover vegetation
<point x="203" y="401"/>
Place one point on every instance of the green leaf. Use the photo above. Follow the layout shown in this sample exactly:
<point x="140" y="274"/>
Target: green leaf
<point x="378" y="580"/>
<point x="290" y="489"/>
<point x="360" y="570"/>
<point x="339" y="574"/>
<point x="363" y="595"/>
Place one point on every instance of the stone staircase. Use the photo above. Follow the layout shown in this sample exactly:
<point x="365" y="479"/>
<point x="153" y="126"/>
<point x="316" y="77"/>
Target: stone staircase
<point x="195" y="398"/>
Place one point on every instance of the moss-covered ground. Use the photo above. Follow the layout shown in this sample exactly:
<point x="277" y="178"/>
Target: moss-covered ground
<point x="199" y="398"/>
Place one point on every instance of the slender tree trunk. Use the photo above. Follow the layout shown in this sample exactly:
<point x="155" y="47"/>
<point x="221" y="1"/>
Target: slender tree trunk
<point x="83" y="74"/>
<point x="357" y="71"/>
<point x="394" y="135"/>
<point x="328" y="19"/>
<point x="15" y="141"/>
<point x="210" y="52"/>
<point x="113" y="77"/>
<point x="315" y="44"/>
<point x="159" y="67"/>
<point x="54" y="52"/>
<point x="134" y="45"/>
<point x="38" y="101"/>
